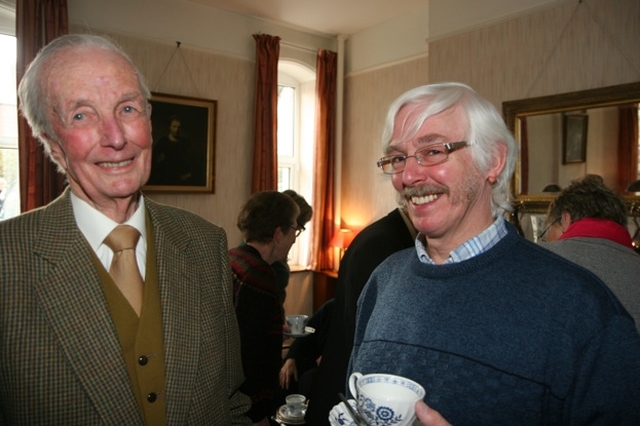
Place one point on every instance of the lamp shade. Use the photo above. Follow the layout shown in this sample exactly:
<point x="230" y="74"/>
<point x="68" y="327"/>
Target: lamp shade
<point x="341" y="239"/>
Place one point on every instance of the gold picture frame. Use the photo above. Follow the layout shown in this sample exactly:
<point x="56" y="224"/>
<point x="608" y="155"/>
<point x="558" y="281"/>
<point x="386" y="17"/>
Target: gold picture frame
<point x="184" y="140"/>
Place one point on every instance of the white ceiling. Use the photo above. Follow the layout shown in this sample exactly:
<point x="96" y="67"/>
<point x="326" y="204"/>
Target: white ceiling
<point x="320" y="15"/>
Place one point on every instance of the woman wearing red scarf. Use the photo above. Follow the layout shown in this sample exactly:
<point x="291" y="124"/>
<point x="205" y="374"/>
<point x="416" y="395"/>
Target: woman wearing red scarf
<point x="587" y="224"/>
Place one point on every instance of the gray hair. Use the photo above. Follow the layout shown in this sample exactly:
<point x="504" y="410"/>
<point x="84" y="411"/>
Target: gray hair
<point x="486" y="130"/>
<point x="34" y="101"/>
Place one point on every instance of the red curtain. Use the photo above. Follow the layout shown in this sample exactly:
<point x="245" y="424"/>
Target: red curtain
<point x="265" y="154"/>
<point x="627" y="146"/>
<point x="37" y="23"/>
<point x="324" y="159"/>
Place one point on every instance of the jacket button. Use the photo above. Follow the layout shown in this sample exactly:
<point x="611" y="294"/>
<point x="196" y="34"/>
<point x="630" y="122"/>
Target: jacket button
<point x="143" y="360"/>
<point x="152" y="397"/>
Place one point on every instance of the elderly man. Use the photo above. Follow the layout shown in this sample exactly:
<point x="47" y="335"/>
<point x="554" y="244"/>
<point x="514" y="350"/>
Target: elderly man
<point x="498" y="330"/>
<point x="96" y="330"/>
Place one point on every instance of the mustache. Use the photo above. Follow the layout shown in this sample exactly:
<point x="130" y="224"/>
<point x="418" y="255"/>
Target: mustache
<point x="423" y="190"/>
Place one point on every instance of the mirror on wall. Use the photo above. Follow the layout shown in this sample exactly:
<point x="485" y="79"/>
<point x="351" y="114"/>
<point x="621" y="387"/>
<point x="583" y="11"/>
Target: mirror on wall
<point x="563" y="137"/>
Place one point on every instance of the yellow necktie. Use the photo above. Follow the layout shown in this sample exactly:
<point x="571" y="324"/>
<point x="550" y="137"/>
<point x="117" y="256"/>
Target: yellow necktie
<point x="124" y="268"/>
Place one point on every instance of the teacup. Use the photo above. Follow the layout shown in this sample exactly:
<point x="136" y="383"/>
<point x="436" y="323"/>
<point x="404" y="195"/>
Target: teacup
<point x="385" y="399"/>
<point x="295" y="405"/>
<point x="297" y="323"/>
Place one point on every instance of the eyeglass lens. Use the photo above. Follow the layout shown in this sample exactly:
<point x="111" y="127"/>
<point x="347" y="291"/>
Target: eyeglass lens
<point x="427" y="156"/>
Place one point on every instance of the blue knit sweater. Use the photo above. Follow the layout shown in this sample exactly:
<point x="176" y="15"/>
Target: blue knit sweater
<point x="514" y="336"/>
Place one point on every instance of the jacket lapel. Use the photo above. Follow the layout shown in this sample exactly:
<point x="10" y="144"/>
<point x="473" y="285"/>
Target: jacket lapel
<point x="71" y="297"/>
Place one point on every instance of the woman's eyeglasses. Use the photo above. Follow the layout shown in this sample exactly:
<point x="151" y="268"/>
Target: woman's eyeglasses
<point x="543" y="233"/>
<point x="298" y="229"/>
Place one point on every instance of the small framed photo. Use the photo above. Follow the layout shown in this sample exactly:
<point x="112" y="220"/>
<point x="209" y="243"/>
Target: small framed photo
<point x="574" y="141"/>
<point x="184" y="142"/>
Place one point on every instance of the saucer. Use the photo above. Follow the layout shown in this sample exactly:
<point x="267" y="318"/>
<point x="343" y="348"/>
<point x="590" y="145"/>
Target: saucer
<point x="307" y="332"/>
<point x="339" y="415"/>
<point x="283" y="415"/>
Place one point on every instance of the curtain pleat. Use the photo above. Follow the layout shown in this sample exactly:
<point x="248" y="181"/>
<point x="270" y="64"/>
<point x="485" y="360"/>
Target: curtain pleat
<point x="324" y="160"/>
<point x="627" y="146"/>
<point x="37" y="23"/>
<point x="265" y="154"/>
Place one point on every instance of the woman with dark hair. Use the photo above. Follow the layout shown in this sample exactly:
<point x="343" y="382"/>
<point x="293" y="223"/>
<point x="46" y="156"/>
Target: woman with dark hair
<point x="269" y="229"/>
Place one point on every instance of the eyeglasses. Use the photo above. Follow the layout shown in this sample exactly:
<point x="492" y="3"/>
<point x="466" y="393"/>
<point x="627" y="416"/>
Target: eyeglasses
<point x="298" y="229"/>
<point x="427" y="156"/>
<point x="543" y="233"/>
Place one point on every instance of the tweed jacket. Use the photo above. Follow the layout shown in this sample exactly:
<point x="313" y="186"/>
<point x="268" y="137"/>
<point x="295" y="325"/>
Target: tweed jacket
<point x="60" y="360"/>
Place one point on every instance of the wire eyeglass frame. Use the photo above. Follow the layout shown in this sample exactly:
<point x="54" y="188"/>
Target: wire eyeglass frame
<point x="393" y="164"/>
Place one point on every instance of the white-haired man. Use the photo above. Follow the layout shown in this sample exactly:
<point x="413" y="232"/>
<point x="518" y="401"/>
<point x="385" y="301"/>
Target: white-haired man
<point x="498" y="330"/>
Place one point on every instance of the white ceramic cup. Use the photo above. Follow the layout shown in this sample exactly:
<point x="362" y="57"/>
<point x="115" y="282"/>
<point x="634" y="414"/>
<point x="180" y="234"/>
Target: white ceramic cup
<point x="295" y="404"/>
<point x="297" y="323"/>
<point x="385" y="399"/>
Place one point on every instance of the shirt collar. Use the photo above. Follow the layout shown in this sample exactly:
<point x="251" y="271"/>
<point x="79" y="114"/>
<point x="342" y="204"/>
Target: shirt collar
<point x="95" y="226"/>
<point x="470" y="248"/>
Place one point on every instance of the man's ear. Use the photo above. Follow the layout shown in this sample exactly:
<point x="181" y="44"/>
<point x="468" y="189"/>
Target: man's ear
<point x="498" y="162"/>
<point x="56" y="151"/>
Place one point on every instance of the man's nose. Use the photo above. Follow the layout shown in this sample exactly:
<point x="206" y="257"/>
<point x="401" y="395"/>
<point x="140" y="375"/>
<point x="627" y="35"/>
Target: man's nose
<point x="413" y="171"/>
<point x="112" y="132"/>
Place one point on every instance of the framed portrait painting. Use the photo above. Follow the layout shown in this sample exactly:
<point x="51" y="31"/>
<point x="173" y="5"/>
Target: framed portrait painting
<point x="574" y="141"/>
<point x="184" y="136"/>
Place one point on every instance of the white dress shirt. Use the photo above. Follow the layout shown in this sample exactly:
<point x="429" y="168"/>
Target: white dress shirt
<point x="95" y="227"/>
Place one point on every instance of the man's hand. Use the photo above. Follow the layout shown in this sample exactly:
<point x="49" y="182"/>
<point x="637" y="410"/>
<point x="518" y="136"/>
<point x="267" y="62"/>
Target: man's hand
<point x="428" y="416"/>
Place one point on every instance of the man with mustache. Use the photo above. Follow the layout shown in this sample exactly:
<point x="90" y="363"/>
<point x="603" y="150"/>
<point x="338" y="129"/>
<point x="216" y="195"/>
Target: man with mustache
<point x="498" y="330"/>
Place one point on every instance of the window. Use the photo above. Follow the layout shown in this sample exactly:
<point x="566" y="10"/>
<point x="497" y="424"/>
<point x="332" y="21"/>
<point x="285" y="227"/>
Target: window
<point x="9" y="185"/>
<point x="296" y="105"/>
<point x="287" y="150"/>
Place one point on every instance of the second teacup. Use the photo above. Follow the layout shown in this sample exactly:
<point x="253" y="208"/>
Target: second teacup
<point x="385" y="399"/>
<point x="297" y="323"/>
<point x="295" y="405"/>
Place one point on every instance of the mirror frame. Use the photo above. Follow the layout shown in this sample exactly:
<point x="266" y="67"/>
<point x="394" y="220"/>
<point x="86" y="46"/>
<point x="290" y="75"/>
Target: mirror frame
<point x="584" y="99"/>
